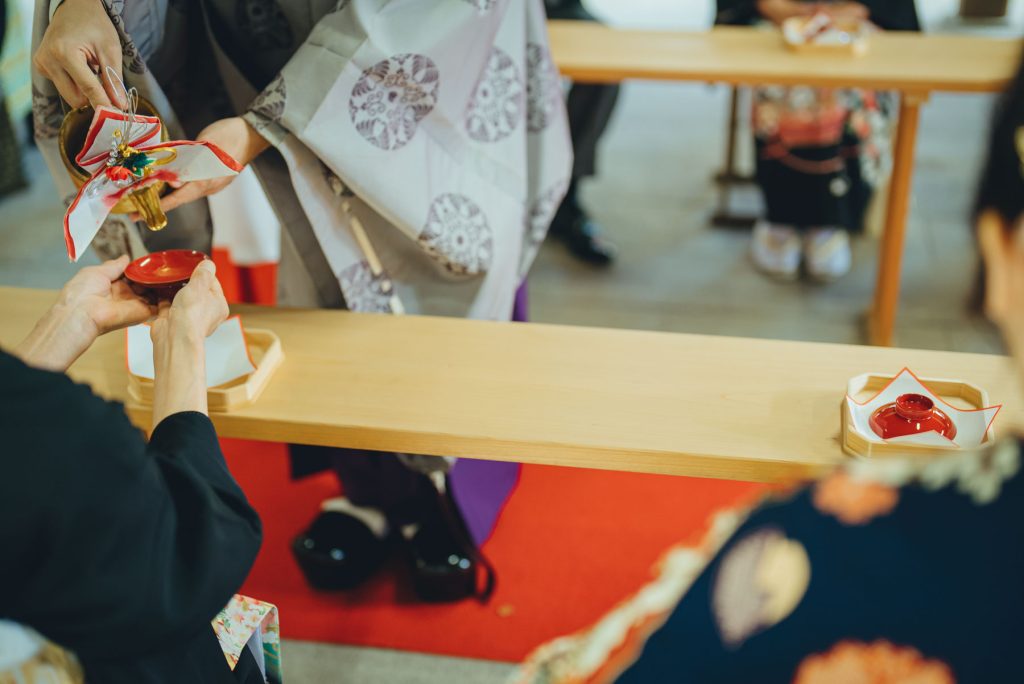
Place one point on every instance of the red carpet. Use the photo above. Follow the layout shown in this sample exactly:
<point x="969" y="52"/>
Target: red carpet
<point x="570" y="545"/>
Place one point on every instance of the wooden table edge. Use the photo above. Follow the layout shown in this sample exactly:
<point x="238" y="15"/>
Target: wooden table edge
<point x="483" y="448"/>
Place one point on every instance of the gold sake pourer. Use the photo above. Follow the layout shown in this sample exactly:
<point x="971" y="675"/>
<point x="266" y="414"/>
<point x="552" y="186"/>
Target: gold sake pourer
<point x="72" y="137"/>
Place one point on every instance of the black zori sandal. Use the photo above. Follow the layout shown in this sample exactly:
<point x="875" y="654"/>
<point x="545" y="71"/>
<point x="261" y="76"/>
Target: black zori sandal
<point x="341" y="550"/>
<point x="444" y="560"/>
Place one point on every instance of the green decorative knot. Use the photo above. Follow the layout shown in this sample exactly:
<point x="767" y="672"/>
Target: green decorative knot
<point x="137" y="163"/>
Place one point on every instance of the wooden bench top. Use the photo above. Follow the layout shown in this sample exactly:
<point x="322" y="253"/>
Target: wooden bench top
<point x="910" y="62"/>
<point x="742" y="409"/>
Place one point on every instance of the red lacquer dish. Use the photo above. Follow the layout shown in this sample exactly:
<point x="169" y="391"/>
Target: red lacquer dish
<point x="911" y="414"/>
<point x="160" y="275"/>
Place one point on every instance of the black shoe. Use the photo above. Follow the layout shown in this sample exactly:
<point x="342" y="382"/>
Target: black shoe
<point x="338" y="551"/>
<point x="445" y="562"/>
<point x="582" y="237"/>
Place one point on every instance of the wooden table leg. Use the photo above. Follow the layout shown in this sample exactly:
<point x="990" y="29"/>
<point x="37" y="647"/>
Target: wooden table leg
<point x="890" y="258"/>
<point x="729" y="177"/>
<point x="728" y="174"/>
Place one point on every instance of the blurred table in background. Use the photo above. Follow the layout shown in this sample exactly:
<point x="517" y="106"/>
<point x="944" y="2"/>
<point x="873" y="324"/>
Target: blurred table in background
<point x="913" y="64"/>
<point x="731" y="408"/>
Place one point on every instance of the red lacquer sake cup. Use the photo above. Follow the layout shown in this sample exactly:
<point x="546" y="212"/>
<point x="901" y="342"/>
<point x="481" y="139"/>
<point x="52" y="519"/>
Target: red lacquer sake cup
<point x="911" y="414"/>
<point x="159" y="276"/>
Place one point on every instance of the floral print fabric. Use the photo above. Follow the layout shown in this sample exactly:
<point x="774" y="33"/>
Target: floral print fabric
<point x="854" y="502"/>
<point x="446" y="122"/>
<point x="820" y="153"/>
<point x="408" y="107"/>
<point x="882" y="572"/>
<point x="788" y="119"/>
<point x="391" y="98"/>
<point x="246" y="620"/>
<point x="28" y="658"/>
<point x="878" y="663"/>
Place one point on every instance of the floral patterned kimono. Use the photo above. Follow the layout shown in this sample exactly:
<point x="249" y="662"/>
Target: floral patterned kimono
<point x="886" y="572"/>
<point x="420" y="149"/>
<point x="821" y="151"/>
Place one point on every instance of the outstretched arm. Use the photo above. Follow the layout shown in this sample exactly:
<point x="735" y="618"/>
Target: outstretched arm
<point x="94" y="302"/>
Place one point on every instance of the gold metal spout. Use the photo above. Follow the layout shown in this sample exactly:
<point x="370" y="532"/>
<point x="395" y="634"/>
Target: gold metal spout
<point x="147" y="203"/>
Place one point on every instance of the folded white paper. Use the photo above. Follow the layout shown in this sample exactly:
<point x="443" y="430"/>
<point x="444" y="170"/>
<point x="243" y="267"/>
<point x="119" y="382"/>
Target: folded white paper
<point x="971" y="424"/>
<point x="227" y="354"/>
<point x="177" y="161"/>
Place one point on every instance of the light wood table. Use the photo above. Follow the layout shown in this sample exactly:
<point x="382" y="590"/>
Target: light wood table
<point x="742" y="409"/>
<point x="913" y="64"/>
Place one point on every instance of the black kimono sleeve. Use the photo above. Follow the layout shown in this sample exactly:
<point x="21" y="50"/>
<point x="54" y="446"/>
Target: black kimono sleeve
<point x="117" y="550"/>
<point x="892" y="15"/>
<point x="737" y="12"/>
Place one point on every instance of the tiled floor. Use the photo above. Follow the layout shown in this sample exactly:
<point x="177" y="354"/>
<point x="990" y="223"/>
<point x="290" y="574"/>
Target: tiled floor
<point x="654" y="195"/>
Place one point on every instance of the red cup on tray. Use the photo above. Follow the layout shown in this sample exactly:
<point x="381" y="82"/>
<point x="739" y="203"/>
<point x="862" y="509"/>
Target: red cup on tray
<point x="159" y="276"/>
<point x="911" y="414"/>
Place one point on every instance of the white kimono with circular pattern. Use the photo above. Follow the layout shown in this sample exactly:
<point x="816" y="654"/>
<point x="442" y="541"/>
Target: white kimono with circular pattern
<point x="425" y="141"/>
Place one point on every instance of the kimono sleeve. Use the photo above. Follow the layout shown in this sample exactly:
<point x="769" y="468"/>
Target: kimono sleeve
<point x="138" y="546"/>
<point x="736" y="12"/>
<point x="894" y="15"/>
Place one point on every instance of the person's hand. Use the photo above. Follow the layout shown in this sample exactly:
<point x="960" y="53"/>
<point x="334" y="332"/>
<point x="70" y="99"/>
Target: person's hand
<point x="197" y="309"/>
<point x="179" y="333"/>
<point x="846" y="10"/>
<point x="105" y="300"/>
<point x="778" y="11"/>
<point x="236" y="137"/>
<point x="78" y="44"/>
<point x="94" y="302"/>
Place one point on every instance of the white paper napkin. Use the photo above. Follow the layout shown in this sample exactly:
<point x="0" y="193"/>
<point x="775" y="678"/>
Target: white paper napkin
<point x="971" y="424"/>
<point x="227" y="354"/>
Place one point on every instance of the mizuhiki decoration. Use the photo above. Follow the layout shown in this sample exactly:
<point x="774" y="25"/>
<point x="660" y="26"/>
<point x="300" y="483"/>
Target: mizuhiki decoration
<point x="126" y="164"/>
<point x="124" y="154"/>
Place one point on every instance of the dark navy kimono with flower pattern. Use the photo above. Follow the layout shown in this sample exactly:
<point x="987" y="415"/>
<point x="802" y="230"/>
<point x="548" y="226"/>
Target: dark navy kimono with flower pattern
<point x="923" y="580"/>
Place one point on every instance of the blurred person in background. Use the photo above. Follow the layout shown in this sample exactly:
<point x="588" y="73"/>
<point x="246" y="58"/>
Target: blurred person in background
<point x="590" y="107"/>
<point x="821" y="152"/>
